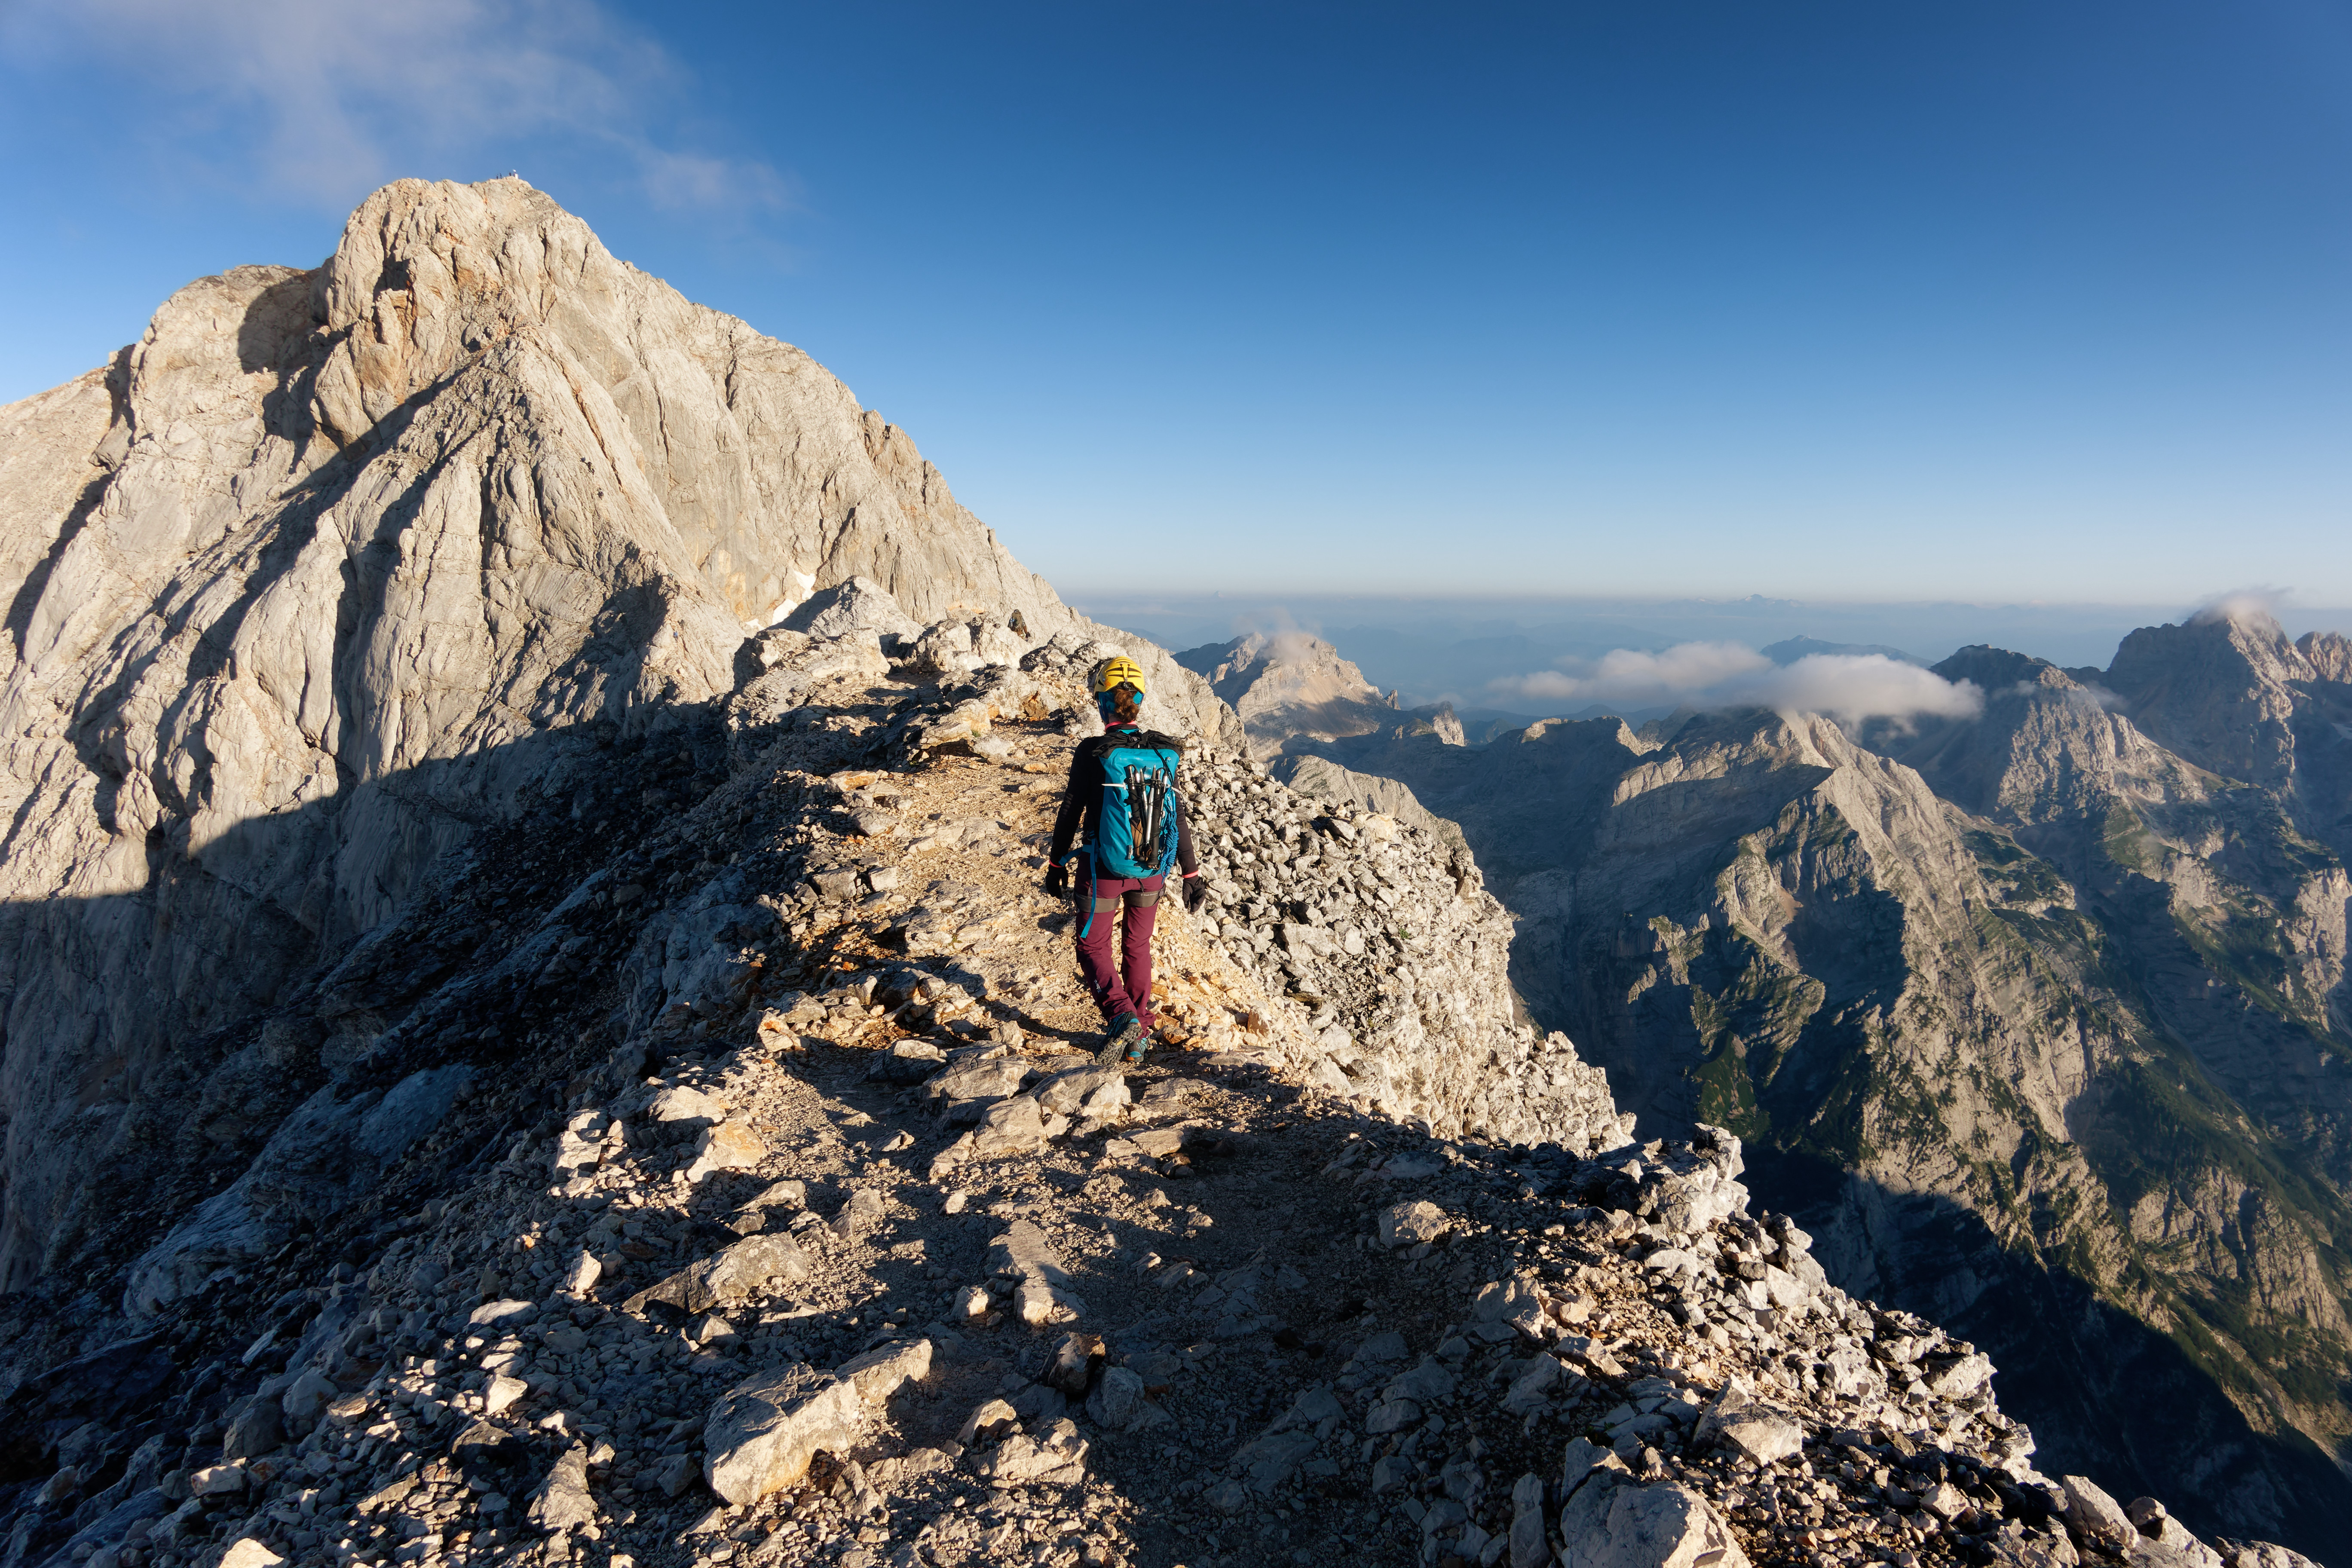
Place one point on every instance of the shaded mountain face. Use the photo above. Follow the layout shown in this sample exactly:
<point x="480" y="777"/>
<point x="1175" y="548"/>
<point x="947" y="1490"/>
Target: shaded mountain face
<point x="2039" y="1019"/>
<point x="336" y="575"/>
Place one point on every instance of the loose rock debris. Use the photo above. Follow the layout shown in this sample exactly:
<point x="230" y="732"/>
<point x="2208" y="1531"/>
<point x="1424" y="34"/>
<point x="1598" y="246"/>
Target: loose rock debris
<point x="863" y="1260"/>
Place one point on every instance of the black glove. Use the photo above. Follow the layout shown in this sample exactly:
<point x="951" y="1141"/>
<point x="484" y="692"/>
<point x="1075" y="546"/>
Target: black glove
<point x="1196" y="893"/>
<point x="1057" y="881"/>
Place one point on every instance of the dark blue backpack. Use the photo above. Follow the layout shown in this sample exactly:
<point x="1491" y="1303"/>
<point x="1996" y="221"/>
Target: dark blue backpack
<point x="1134" y="834"/>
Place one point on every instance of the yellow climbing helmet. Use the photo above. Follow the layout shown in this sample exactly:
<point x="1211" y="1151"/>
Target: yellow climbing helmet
<point x="1119" y="671"/>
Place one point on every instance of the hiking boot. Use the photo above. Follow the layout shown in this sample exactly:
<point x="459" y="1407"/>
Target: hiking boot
<point x="1142" y="1043"/>
<point x="1125" y="1043"/>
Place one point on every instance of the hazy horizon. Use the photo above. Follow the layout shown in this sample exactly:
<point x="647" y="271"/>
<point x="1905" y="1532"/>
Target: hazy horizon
<point x="1837" y="301"/>
<point x="1461" y="648"/>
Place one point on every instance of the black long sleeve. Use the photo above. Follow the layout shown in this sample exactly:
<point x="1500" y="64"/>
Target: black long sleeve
<point x="1078" y="808"/>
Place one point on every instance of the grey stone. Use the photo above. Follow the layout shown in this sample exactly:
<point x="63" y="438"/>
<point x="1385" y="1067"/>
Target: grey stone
<point x="858" y="607"/>
<point x="562" y="1501"/>
<point x="978" y="1080"/>
<point x="1405" y="1224"/>
<point x="881" y="1371"/>
<point x="307" y="1396"/>
<point x="1529" y="1548"/>
<point x="1057" y="1457"/>
<point x="861" y="1210"/>
<point x="2169" y="1535"/>
<point x="1014" y="1126"/>
<point x="1118" y="1403"/>
<point x="781" y="1195"/>
<point x="907" y="1062"/>
<point x="678" y="1473"/>
<point x="1532" y="1389"/>
<point x="217" y="1481"/>
<point x="1579" y="1461"/>
<point x="1427" y="1382"/>
<point x="509" y="1313"/>
<point x="1273" y="1459"/>
<point x="1589" y="1354"/>
<point x="836" y="884"/>
<point x="988" y="1423"/>
<point x="1074" y="1363"/>
<point x="762" y="1434"/>
<point x="1021" y="1252"/>
<point x="1738" y="1420"/>
<point x="728" y="1275"/>
<point x="2096" y="1518"/>
<point x="256" y="1427"/>
<point x="682" y="1113"/>
<point x="1085" y="1091"/>
<point x="2266" y="1554"/>
<point x="1312" y="1407"/>
<point x="1613" y="1524"/>
<point x="2020" y="1547"/>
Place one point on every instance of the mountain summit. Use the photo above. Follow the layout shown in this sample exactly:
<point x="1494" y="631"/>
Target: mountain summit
<point x="333" y="572"/>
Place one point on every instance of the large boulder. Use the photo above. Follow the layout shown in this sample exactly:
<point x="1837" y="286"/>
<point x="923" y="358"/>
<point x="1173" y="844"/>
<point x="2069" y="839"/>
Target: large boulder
<point x="728" y="1276"/>
<point x="762" y="1434"/>
<point x="1615" y="1524"/>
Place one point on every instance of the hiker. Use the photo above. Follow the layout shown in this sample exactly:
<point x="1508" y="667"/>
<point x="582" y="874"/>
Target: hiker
<point x="1122" y="809"/>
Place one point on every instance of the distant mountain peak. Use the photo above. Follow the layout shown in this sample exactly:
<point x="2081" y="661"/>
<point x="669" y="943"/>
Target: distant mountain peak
<point x="1293" y="683"/>
<point x="1788" y="650"/>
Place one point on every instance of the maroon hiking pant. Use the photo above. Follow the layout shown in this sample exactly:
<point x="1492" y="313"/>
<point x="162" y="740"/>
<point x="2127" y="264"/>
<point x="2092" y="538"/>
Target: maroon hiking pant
<point x="1127" y="986"/>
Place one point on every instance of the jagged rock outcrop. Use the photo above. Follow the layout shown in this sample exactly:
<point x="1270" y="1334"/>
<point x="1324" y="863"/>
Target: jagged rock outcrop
<point x="2046" y="1010"/>
<point x="1326" y="781"/>
<point x="333" y="572"/>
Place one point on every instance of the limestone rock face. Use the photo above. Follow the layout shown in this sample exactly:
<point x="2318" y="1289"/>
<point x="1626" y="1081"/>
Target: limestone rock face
<point x="333" y="572"/>
<point x="1326" y="781"/>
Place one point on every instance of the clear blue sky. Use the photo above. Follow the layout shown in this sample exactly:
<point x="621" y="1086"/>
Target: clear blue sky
<point x="2002" y="301"/>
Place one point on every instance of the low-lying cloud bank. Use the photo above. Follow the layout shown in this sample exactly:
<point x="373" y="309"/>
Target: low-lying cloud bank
<point x="1848" y="687"/>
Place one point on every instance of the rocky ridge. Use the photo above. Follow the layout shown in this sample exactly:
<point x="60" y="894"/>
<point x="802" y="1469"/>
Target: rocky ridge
<point x="842" y="1254"/>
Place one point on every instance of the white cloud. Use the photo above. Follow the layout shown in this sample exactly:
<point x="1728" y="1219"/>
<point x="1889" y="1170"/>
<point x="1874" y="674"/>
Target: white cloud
<point x="328" y="98"/>
<point x="1848" y="687"/>
<point x="1643" y="680"/>
<point x="2247" y="606"/>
